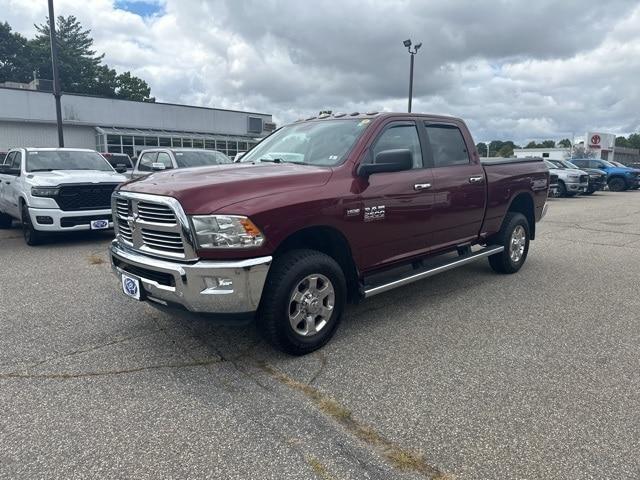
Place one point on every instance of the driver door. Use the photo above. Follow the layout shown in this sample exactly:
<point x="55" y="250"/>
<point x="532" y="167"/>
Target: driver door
<point x="397" y="206"/>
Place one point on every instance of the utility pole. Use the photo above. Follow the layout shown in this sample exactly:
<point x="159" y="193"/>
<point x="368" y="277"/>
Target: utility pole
<point x="407" y="43"/>
<point x="54" y="68"/>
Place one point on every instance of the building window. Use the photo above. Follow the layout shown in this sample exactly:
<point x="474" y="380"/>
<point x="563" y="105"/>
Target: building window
<point x="151" y="141"/>
<point x="209" y="144"/>
<point x="138" y="140"/>
<point x="127" y="140"/>
<point x="176" y="142"/>
<point x="186" y="142"/>
<point x="242" y="146"/>
<point x="128" y="150"/>
<point x="164" y="141"/>
<point x="221" y="146"/>
<point x="114" y="149"/>
<point x="113" y="139"/>
<point x="198" y="143"/>
<point x="255" y="125"/>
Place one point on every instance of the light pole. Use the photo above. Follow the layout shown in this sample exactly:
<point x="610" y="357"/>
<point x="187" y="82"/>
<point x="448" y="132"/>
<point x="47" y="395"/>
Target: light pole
<point x="407" y="43"/>
<point x="54" y="68"/>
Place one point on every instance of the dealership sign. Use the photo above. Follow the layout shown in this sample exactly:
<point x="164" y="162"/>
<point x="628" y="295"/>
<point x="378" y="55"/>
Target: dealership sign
<point x="601" y="141"/>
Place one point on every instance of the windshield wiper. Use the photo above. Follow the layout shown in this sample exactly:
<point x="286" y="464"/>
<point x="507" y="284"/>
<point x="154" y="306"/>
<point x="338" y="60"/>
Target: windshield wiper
<point x="272" y="160"/>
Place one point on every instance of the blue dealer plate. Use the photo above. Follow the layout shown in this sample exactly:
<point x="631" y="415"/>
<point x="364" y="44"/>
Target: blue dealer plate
<point x="99" y="224"/>
<point x="131" y="286"/>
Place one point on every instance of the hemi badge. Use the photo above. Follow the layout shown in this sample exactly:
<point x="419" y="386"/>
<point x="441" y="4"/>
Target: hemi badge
<point x="353" y="212"/>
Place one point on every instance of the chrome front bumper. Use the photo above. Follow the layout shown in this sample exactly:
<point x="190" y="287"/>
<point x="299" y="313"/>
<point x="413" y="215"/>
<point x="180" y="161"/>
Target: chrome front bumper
<point x="226" y="287"/>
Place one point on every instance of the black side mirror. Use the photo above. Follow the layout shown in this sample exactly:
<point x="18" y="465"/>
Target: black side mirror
<point x="121" y="168"/>
<point x="388" y="161"/>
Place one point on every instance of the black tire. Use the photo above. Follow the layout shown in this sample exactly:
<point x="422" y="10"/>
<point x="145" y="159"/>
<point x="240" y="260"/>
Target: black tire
<point x="288" y="273"/>
<point x="31" y="236"/>
<point x="5" y="220"/>
<point x="503" y="262"/>
<point x="617" y="184"/>
<point x="562" y="189"/>
<point x="589" y="192"/>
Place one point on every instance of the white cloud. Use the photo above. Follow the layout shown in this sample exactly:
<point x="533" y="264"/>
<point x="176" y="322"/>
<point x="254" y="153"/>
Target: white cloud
<point x="513" y="69"/>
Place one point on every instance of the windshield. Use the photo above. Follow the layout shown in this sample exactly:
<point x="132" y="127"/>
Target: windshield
<point x="568" y="164"/>
<point x="200" y="158"/>
<point x="48" y="160"/>
<point x="549" y="164"/>
<point x="324" y="143"/>
<point x="557" y="164"/>
<point x="618" y="164"/>
<point x="607" y="164"/>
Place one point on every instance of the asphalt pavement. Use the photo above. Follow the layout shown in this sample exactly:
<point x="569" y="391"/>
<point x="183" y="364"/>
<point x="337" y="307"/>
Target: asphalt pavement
<point x="467" y="375"/>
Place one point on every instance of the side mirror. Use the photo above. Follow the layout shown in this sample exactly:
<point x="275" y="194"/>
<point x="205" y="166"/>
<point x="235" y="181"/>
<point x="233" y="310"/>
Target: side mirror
<point x="158" y="166"/>
<point x="388" y="161"/>
<point x="121" y="168"/>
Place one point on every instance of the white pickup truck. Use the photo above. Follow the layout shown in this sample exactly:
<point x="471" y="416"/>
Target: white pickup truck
<point x="56" y="190"/>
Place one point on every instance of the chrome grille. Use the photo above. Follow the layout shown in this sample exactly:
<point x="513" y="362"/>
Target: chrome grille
<point x="155" y="213"/>
<point x="166" y="241"/>
<point x="152" y="224"/>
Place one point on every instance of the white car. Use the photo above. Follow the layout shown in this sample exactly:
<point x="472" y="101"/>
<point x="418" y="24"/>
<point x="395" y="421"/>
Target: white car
<point x="56" y="190"/>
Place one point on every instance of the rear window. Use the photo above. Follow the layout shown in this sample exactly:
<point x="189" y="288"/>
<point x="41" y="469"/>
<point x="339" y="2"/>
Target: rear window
<point x="119" y="160"/>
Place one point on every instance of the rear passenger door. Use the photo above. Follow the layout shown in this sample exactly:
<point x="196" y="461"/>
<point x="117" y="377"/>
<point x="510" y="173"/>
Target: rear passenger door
<point x="458" y="186"/>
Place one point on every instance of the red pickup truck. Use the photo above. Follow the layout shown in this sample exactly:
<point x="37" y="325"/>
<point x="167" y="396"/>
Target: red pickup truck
<point x="323" y="211"/>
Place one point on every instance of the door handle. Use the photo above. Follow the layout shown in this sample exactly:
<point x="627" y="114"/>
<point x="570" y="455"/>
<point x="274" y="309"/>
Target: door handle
<point x="476" y="179"/>
<point x="421" y="186"/>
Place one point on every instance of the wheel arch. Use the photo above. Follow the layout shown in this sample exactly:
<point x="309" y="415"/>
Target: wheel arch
<point x="523" y="203"/>
<point x="330" y="241"/>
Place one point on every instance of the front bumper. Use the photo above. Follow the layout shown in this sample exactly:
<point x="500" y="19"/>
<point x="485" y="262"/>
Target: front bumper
<point x="225" y="287"/>
<point x="67" y="221"/>
<point x="577" y="187"/>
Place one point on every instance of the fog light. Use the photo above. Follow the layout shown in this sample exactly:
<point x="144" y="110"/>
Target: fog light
<point x="218" y="285"/>
<point x="44" y="220"/>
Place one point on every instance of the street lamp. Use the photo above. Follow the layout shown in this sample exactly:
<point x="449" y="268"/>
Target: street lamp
<point x="407" y="43"/>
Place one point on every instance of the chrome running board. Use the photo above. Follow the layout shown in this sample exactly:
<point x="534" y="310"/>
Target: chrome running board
<point x="448" y="264"/>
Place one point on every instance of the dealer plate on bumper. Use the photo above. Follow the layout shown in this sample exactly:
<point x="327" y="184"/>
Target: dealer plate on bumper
<point x="131" y="286"/>
<point x="99" y="224"/>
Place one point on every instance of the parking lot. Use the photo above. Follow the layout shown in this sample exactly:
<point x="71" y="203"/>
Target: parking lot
<point x="466" y="375"/>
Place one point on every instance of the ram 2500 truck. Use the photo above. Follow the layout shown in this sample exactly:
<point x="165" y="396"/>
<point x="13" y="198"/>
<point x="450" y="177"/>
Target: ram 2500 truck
<point x="323" y="211"/>
<point x="56" y="190"/>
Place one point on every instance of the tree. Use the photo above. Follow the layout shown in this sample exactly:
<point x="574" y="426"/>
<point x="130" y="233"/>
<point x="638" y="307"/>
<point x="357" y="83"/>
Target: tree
<point x="634" y="140"/>
<point x="132" y="88"/>
<point x="580" y="152"/>
<point x="531" y="145"/>
<point x="506" y="151"/>
<point x="482" y="149"/>
<point x="15" y="56"/>
<point x="565" y="142"/>
<point x="548" y="144"/>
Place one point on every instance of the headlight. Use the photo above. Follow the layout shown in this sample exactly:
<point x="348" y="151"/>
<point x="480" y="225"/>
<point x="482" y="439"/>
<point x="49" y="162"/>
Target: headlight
<point x="226" y="231"/>
<point x="44" y="191"/>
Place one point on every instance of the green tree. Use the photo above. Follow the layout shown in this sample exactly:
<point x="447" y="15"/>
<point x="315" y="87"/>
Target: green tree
<point x="15" y="56"/>
<point x="482" y="149"/>
<point x="132" y="88"/>
<point x="548" y="144"/>
<point x="622" y="142"/>
<point x="565" y="142"/>
<point x="531" y="144"/>
<point x="506" y="150"/>
<point x="634" y="140"/>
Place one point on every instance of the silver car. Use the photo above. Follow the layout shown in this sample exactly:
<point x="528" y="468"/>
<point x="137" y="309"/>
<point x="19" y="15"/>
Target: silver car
<point x="159" y="159"/>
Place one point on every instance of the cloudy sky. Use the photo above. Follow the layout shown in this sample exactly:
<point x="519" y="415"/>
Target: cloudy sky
<point x="522" y="70"/>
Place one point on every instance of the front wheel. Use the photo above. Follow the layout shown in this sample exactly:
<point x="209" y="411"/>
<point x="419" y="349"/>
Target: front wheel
<point x="562" y="189"/>
<point x="302" y="301"/>
<point x="617" y="184"/>
<point x="31" y="235"/>
<point x="514" y="236"/>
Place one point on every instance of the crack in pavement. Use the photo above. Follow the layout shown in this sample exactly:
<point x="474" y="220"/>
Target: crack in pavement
<point x="401" y="458"/>
<point x="108" y="373"/>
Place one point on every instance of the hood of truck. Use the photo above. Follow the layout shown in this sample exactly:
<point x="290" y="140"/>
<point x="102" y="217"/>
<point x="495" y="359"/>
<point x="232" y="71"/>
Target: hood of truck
<point x="204" y="190"/>
<point x="64" y="177"/>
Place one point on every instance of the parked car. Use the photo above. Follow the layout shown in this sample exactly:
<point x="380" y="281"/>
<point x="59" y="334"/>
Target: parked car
<point x="618" y="178"/>
<point x="366" y="204"/>
<point x="56" y="190"/>
<point x="570" y="181"/>
<point x="597" y="178"/>
<point x="121" y="162"/>
<point x="632" y="167"/>
<point x="238" y="156"/>
<point x="158" y="159"/>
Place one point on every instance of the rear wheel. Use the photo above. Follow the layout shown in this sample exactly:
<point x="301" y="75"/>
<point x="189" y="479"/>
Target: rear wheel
<point x="31" y="235"/>
<point x="302" y="302"/>
<point x="5" y="220"/>
<point x="617" y="184"/>
<point x="514" y="236"/>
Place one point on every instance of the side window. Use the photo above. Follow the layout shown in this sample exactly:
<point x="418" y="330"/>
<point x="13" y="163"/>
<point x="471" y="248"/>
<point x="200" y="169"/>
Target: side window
<point x="163" y="157"/>
<point x="400" y="137"/>
<point x="9" y="158"/>
<point x="146" y="161"/>
<point x="17" y="161"/>
<point x="447" y="145"/>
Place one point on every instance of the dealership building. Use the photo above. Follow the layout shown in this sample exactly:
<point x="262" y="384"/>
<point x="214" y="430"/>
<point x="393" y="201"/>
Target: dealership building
<point x="28" y="119"/>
